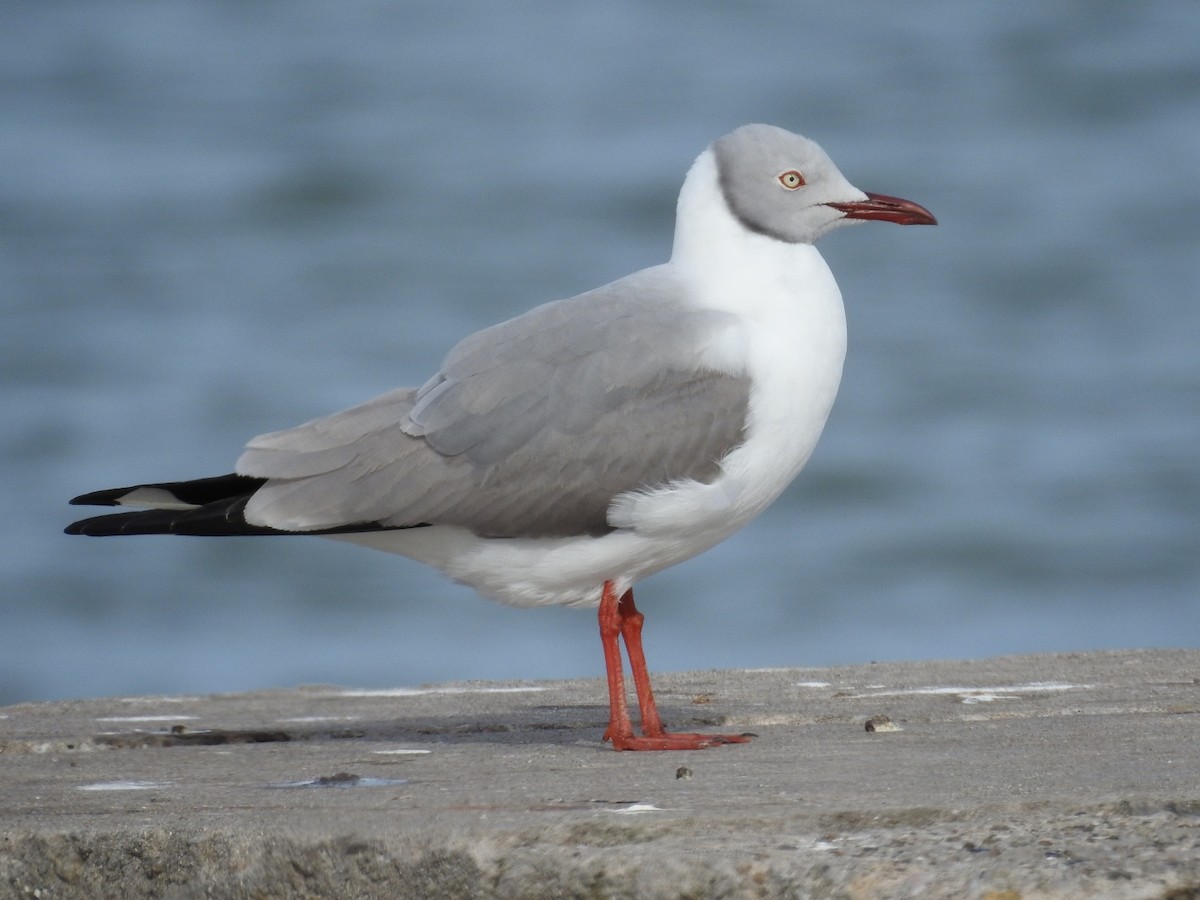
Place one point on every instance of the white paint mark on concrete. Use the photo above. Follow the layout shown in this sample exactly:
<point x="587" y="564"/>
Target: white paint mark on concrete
<point x="982" y="694"/>
<point x="447" y="689"/>
<point x="124" y="786"/>
<point x="401" y="751"/>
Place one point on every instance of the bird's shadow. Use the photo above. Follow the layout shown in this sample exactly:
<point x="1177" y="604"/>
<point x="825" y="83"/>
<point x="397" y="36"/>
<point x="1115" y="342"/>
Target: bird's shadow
<point x="546" y="725"/>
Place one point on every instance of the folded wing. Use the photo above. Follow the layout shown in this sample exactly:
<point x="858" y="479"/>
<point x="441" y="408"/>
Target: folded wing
<point x="529" y="430"/>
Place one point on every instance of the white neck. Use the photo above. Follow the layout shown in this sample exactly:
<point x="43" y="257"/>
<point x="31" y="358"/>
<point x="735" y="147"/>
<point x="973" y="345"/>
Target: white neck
<point x="788" y="331"/>
<point x="735" y="269"/>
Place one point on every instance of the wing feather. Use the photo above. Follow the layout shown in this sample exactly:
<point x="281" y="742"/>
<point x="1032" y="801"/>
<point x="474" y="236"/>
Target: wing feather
<point x="530" y="428"/>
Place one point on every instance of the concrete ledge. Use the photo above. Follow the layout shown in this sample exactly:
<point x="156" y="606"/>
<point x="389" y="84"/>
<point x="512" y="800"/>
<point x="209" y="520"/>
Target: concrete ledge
<point x="1042" y="776"/>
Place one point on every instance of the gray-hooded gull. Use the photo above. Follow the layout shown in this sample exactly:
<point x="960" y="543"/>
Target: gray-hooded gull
<point x="560" y="456"/>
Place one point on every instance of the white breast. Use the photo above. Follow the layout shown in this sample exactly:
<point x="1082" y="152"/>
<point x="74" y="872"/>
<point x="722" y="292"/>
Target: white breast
<point x="787" y="330"/>
<point x="789" y="334"/>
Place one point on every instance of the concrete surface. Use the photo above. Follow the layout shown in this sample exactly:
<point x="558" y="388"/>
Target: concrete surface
<point x="1019" y="777"/>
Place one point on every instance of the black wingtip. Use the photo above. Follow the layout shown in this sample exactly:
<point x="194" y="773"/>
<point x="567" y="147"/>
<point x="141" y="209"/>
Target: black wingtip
<point x="220" y="519"/>
<point x="112" y="524"/>
<point x="218" y="508"/>
<point x="196" y="491"/>
<point x="82" y="527"/>
<point x="96" y="525"/>
<point x="100" y="498"/>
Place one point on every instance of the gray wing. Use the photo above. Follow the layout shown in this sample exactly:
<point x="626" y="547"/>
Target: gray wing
<point x="530" y="428"/>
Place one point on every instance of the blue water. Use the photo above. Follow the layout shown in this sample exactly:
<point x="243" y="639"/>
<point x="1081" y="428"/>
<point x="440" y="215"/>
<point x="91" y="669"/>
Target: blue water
<point x="223" y="219"/>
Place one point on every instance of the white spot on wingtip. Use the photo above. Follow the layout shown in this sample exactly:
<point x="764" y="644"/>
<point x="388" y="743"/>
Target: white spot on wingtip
<point x="634" y="808"/>
<point x="153" y="498"/>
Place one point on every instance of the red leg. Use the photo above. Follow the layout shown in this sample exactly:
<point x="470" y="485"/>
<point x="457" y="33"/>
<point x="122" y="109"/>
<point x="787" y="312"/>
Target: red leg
<point x="631" y="632"/>
<point x="620" y="618"/>
<point x="620" y="729"/>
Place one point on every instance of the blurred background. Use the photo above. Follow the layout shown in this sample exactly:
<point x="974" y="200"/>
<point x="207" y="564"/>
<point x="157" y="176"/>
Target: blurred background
<point x="220" y="219"/>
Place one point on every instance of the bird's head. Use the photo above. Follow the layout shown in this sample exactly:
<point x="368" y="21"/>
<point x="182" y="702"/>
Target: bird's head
<point x="784" y="186"/>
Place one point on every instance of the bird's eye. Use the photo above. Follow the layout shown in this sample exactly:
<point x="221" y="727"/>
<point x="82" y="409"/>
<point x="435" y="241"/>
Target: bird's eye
<point x="791" y="179"/>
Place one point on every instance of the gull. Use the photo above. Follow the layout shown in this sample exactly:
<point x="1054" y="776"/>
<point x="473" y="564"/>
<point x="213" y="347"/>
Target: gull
<point x="561" y="456"/>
